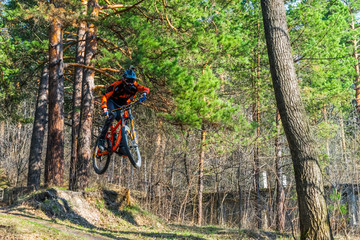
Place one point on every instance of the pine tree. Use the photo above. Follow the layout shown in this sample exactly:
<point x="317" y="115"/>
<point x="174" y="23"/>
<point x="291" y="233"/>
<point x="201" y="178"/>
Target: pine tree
<point x="54" y="163"/>
<point x="87" y="104"/>
<point x="37" y="139"/>
<point x="314" y="221"/>
<point x="77" y="93"/>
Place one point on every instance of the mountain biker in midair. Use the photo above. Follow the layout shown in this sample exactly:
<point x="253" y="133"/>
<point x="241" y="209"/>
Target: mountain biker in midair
<point x="118" y="94"/>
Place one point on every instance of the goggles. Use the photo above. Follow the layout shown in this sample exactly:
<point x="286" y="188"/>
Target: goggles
<point x="130" y="80"/>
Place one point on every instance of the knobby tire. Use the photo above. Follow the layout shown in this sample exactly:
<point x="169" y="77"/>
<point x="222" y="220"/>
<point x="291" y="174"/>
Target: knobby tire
<point x="130" y="146"/>
<point x="97" y="159"/>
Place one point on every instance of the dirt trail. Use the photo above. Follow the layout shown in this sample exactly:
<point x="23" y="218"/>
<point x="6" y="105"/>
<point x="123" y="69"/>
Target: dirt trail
<point x="77" y="234"/>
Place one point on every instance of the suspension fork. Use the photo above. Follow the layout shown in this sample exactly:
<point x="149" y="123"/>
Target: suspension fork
<point x="132" y="125"/>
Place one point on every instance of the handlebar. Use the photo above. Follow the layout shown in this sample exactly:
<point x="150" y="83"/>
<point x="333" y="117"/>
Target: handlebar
<point x="126" y="106"/>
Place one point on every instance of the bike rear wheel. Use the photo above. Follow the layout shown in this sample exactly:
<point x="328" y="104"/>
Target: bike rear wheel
<point x="130" y="146"/>
<point x="101" y="163"/>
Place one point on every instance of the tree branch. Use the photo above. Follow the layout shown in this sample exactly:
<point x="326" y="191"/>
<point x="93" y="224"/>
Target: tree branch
<point x="166" y="17"/>
<point x="91" y="68"/>
<point x="115" y="6"/>
<point x="128" y="8"/>
<point x="116" y="46"/>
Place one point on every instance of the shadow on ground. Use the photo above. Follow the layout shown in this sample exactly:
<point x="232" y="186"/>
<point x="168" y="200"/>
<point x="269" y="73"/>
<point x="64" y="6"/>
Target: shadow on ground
<point x="233" y="233"/>
<point x="56" y="207"/>
<point x="114" y="202"/>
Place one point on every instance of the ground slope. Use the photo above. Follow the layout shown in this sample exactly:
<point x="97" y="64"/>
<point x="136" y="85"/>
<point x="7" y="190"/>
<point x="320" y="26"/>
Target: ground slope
<point x="102" y="214"/>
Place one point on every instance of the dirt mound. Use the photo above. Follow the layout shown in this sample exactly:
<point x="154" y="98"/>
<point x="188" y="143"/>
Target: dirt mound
<point x="95" y="209"/>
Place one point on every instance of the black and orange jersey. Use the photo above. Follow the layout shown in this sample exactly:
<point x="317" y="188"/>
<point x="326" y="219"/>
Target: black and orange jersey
<point x="122" y="93"/>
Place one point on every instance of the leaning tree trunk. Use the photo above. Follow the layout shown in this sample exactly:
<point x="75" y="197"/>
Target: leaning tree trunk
<point x="37" y="138"/>
<point x="87" y="104"/>
<point x="77" y="86"/>
<point x="314" y="221"/>
<point x="54" y="164"/>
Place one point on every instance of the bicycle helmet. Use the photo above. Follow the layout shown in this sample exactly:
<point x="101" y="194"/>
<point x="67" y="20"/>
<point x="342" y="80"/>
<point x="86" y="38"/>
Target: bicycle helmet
<point x="129" y="75"/>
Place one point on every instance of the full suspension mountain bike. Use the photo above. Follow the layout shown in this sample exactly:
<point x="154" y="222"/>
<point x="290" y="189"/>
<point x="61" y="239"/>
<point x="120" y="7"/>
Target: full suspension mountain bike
<point x="120" y="139"/>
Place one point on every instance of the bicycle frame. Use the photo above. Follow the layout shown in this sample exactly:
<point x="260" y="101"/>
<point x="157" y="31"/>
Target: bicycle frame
<point x="113" y="129"/>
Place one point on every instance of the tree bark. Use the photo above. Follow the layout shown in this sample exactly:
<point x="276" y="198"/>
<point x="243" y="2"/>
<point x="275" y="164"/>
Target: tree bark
<point x="201" y="174"/>
<point x="280" y="193"/>
<point x="256" y="118"/>
<point x="54" y="164"/>
<point x="77" y="87"/>
<point x="37" y="139"/>
<point x="186" y="140"/>
<point x="87" y="104"/>
<point x="314" y="221"/>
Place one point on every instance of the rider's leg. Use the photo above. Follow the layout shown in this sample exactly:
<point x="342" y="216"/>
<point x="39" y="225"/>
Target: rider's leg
<point x="108" y="121"/>
<point x="101" y="141"/>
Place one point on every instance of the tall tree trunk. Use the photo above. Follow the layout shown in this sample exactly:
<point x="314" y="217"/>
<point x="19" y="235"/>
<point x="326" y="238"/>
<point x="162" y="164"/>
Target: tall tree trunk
<point x="201" y="173"/>
<point x="240" y="196"/>
<point x="256" y="118"/>
<point x="2" y="129"/>
<point x="356" y="66"/>
<point x="37" y="138"/>
<point x="87" y="104"/>
<point x="186" y="140"/>
<point x="77" y="86"/>
<point x="54" y="164"/>
<point x="343" y="142"/>
<point x="156" y="171"/>
<point x="217" y="198"/>
<point x="172" y="196"/>
<point x="280" y="193"/>
<point x="327" y="147"/>
<point x="314" y="221"/>
<point x="188" y="179"/>
<point x="160" y="154"/>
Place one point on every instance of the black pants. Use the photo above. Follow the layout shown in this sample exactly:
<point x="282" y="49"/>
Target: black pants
<point x="114" y="115"/>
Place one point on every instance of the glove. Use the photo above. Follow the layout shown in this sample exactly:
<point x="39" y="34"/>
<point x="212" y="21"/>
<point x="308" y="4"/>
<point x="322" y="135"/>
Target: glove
<point x="143" y="98"/>
<point x="105" y="112"/>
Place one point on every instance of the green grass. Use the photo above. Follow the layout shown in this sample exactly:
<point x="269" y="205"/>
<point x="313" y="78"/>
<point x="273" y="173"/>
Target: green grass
<point x="100" y="204"/>
<point x="13" y="227"/>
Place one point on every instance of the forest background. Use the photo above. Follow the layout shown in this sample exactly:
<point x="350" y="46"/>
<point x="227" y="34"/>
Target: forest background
<point x="211" y="111"/>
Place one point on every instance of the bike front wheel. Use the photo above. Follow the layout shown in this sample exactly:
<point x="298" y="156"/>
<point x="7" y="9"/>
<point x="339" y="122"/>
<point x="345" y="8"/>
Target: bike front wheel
<point x="101" y="161"/>
<point x="130" y="146"/>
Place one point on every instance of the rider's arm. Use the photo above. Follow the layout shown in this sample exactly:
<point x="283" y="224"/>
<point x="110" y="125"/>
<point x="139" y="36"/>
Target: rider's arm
<point x="141" y="88"/>
<point x="108" y="93"/>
